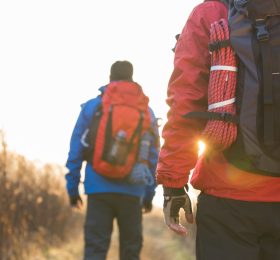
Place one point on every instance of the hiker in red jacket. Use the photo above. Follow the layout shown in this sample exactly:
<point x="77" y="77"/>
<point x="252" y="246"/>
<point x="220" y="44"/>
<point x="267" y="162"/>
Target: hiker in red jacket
<point x="238" y="211"/>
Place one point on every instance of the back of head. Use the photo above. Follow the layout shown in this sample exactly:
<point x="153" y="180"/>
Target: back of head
<point x="121" y="70"/>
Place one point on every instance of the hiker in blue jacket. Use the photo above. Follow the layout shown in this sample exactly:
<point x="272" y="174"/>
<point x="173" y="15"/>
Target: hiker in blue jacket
<point x="124" y="199"/>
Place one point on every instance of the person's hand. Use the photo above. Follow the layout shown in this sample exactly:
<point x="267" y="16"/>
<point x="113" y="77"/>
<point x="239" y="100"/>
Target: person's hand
<point x="147" y="206"/>
<point x="76" y="202"/>
<point x="174" y="200"/>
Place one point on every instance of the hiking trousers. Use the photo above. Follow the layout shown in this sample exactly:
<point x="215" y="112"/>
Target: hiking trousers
<point x="102" y="209"/>
<point x="237" y="230"/>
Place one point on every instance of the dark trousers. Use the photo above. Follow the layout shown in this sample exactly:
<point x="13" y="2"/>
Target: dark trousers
<point x="101" y="211"/>
<point x="237" y="230"/>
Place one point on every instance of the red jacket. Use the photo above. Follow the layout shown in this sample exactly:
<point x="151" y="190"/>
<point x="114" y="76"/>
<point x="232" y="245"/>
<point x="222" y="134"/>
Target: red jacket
<point x="187" y="91"/>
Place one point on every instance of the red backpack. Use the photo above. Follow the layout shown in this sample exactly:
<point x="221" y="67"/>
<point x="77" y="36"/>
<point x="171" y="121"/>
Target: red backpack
<point x="116" y="129"/>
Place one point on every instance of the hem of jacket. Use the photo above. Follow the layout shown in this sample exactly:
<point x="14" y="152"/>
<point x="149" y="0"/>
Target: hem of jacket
<point x="233" y="196"/>
<point x="115" y="192"/>
<point x="170" y="182"/>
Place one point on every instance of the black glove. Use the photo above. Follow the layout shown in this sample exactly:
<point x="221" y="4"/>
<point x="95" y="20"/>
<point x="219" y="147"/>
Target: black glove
<point x="174" y="200"/>
<point x="76" y="201"/>
<point x="147" y="206"/>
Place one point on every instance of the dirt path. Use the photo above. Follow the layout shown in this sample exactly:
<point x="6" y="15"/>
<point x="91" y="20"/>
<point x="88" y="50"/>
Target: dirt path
<point x="159" y="243"/>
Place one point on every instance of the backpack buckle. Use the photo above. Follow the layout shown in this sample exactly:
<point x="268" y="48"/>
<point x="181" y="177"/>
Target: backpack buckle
<point x="262" y="32"/>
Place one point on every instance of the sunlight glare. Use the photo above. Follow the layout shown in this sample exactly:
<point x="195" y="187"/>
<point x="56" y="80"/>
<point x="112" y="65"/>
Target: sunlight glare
<point x="201" y="147"/>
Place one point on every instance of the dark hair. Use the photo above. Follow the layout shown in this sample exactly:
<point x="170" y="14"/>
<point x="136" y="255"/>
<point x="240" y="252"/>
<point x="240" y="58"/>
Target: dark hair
<point x="121" y="70"/>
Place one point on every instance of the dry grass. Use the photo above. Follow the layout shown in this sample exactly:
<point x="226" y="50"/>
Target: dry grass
<point x="34" y="206"/>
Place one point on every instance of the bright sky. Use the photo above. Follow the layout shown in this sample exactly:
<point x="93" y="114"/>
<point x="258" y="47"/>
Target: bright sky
<point x="55" y="54"/>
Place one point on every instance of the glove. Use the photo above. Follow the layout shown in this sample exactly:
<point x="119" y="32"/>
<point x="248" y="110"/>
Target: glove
<point x="147" y="206"/>
<point x="141" y="174"/>
<point x="174" y="200"/>
<point x="76" y="201"/>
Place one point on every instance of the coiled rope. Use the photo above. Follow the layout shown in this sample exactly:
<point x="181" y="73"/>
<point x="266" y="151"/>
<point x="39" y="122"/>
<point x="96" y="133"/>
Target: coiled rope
<point x="221" y="134"/>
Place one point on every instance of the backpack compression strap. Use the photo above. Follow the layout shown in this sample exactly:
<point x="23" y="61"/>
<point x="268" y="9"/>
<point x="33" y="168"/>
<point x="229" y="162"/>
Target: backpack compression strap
<point x="225" y="117"/>
<point x="137" y="131"/>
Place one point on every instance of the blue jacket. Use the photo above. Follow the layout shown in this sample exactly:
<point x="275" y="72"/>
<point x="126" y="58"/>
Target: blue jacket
<point x="93" y="182"/>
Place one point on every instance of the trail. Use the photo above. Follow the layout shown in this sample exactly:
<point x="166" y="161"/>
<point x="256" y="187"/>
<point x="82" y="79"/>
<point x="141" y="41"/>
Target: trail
<point x="159" y="243"/>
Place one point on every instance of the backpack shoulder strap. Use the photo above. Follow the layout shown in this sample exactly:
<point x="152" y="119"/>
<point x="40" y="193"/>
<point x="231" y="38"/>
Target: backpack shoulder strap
<point x="259" y="11"/>
<point x="92" y="132"/>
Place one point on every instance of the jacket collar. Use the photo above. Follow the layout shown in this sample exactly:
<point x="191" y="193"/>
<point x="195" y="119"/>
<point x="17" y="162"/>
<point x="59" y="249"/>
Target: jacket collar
<point x="102" y="89"/>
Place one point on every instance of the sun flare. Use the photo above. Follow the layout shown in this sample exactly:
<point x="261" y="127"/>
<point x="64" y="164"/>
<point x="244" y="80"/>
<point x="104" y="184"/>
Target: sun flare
<point x="201" y="147"/>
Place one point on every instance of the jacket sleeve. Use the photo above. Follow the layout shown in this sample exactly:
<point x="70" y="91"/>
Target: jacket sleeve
<point x="75" y="155"/>
<point x="153" y="157"/>
<point x="187" y="91"/>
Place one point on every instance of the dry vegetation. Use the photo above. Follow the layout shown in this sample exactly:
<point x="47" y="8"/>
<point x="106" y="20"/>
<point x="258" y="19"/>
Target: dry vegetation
<point x="36" y="222"/>
<point x="34" y="208"/>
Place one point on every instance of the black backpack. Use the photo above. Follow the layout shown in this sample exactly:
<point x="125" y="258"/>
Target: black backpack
<point x="255" y="37"/>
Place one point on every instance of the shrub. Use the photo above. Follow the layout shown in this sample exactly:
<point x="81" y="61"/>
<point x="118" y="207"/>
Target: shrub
<point x="34" y="205"/>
